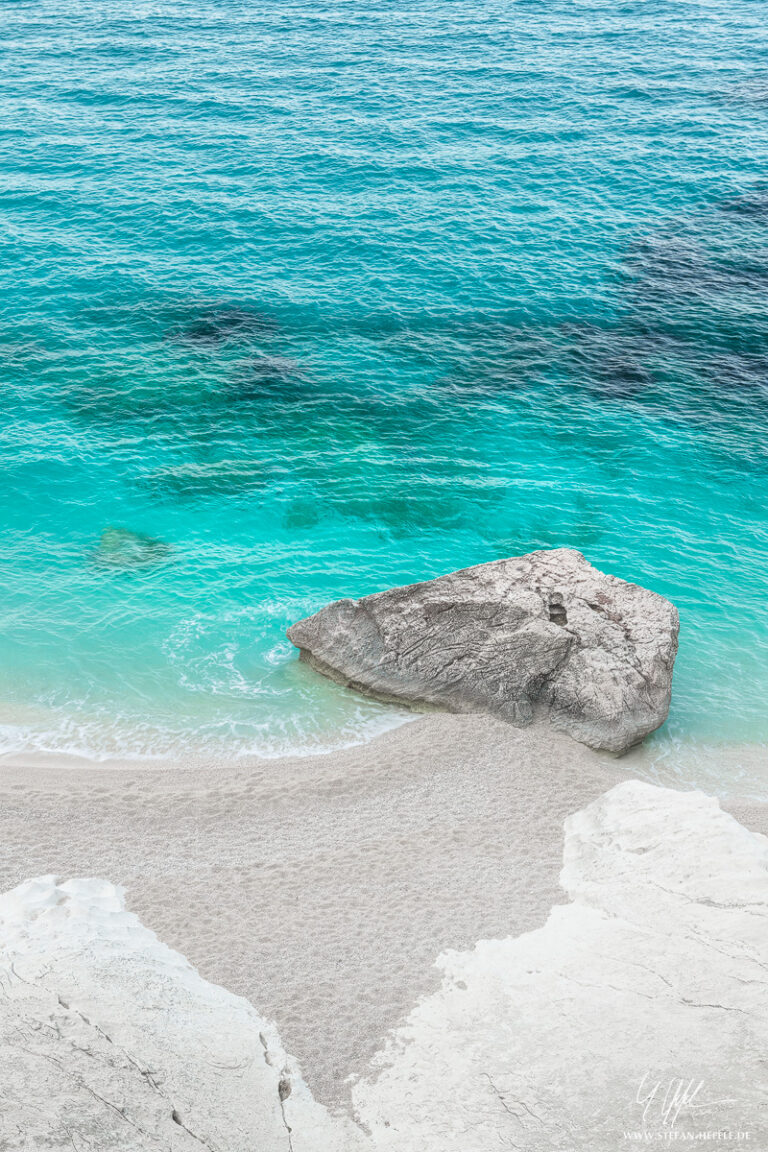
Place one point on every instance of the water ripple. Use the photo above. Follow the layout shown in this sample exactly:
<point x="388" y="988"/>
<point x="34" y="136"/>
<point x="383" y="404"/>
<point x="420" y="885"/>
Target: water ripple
<point x="326" y="298"/>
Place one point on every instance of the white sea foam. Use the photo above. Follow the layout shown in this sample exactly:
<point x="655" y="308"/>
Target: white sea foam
<point x="101" y="737"/>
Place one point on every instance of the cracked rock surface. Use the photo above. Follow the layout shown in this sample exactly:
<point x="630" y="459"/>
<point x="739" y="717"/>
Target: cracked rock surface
<point x="110" y="1040"/>
<point x="640" y="1007"/>
<point x="542" y="636"/>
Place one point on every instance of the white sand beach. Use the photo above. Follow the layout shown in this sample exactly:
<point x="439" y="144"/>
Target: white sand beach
<point x="324" y="888"/>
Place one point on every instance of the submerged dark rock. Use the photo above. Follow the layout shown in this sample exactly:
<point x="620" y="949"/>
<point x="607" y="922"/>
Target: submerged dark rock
<point x="120" y="548"/>
<point x="622" y="376"/>
<point x="753" y="205"/>
<point x="539" y="637"/>
<point x="216" y="324"/>
<point x="266" y="377"/>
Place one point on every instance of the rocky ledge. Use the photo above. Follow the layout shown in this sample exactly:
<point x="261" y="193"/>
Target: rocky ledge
<point x="635" y="1015"/>
<point x="539" y="637"/>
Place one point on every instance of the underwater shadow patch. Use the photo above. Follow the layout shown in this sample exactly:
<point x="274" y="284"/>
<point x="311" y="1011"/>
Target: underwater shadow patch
<point x="121" y="548"/>
<point x="266" y="378"/>
<point x="690" y="338"/>
<point x="217" y="324"/>
<point x="753" y="205"/>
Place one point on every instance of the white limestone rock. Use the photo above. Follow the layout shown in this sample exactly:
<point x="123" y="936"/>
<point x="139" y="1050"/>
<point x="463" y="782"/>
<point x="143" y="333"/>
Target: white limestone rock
<point x="640" y="1007"/>
<point x="109" y="1040"/>
<point x="533" y="637"/>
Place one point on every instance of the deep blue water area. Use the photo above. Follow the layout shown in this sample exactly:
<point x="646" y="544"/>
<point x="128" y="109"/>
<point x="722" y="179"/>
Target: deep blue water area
<point x="305" y="300"/>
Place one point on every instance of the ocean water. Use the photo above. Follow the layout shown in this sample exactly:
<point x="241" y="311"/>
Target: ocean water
<point x="314" y="299"/>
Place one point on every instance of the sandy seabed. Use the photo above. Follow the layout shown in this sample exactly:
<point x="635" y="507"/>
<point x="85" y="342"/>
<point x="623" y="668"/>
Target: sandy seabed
<point x="323" y="888"/>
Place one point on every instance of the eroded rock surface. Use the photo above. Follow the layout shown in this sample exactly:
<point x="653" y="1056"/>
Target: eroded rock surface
<point x="533" y="637"/>
<point x="637" y="1015"/>
<point x="109" y="1040"/>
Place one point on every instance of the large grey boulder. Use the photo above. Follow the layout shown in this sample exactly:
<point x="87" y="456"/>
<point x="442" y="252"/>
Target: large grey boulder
<point x="534" y="637"/>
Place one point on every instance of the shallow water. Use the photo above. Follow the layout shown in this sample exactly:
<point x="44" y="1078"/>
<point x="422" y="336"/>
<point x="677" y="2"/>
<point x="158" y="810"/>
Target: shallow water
<point x="328" y="298"/>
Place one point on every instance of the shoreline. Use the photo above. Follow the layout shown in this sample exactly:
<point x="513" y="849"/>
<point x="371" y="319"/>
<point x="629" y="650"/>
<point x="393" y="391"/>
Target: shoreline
<point x="735" y="772"/>
<point x="325" y="891"/>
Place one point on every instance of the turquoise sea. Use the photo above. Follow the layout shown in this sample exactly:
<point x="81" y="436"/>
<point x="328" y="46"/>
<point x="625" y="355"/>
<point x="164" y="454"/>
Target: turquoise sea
<point x="327" y="297"/>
